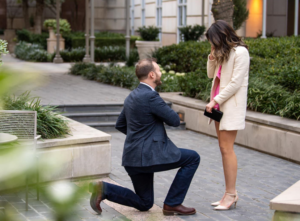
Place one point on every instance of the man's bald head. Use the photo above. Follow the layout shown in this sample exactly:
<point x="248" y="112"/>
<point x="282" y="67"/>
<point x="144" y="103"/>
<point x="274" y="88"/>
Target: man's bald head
<point x="144" y="67"/>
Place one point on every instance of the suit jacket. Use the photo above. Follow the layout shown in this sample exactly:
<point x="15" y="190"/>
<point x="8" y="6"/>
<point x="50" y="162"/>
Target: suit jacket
<point x="142" y="120"/>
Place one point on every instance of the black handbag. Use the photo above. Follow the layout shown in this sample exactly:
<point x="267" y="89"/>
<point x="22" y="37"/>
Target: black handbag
<point x="215" y="115"/>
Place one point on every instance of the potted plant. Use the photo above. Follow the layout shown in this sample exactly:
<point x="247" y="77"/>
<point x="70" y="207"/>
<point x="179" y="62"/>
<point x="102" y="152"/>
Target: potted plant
<point x="149" y="42"/>
<point x="64" y="27"/>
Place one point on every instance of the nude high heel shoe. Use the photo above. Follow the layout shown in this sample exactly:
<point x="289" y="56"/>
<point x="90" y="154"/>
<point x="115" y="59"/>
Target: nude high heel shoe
<point x="219" y="207"/>
<point x="219" y="202"/>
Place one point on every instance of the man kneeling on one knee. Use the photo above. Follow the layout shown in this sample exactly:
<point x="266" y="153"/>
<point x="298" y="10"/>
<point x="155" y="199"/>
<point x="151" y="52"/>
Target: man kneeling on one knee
<point x="148" y="149"/>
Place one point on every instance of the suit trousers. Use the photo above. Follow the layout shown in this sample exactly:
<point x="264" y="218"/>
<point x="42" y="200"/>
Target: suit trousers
<point x="142" y="179"/>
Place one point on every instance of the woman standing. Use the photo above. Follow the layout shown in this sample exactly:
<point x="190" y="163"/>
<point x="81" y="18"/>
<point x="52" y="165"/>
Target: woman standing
<point x="228" y="65"/>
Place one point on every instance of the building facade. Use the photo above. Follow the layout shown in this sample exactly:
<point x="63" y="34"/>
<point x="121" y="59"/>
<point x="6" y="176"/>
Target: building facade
<point x="168" y="15"/>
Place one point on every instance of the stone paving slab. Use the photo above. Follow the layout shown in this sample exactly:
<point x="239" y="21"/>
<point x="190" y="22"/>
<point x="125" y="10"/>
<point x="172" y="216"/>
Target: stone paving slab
<point x="261" y="177"/>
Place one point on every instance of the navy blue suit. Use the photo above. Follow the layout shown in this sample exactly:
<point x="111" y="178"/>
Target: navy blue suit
<point x="148" y="149"/>
<point x="142" y="120"/>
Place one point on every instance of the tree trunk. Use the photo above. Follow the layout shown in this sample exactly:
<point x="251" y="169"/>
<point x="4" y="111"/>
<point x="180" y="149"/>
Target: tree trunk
<point x="223" y="10"/>
<point x="25" y="13"/>
<point x="39" y="16"/>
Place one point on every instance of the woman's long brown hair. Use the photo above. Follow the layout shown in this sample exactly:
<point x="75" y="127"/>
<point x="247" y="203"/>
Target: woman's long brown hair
<point x="223" y="38"/>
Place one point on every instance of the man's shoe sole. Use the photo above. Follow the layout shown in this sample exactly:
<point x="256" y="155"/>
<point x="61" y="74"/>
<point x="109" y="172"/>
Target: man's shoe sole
<point x="93" y="200"/>
<point x="172" y="213"/>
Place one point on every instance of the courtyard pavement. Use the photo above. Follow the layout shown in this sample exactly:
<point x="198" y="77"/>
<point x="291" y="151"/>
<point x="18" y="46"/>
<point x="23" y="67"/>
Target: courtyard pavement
<point x="261" y="177"/>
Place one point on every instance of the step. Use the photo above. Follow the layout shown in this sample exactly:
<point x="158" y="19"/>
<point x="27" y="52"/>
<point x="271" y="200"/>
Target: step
<point x="93" y="117"/>
<point x="92" y="108"/>
<point x="110" y="126"/>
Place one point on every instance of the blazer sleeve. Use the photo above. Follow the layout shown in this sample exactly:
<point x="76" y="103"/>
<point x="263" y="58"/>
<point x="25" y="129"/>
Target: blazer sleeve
<point x="211" y="66"/>
<point x="240" y="68"/>
<point x="161" y="110"/>
<point x="121" y="124"/>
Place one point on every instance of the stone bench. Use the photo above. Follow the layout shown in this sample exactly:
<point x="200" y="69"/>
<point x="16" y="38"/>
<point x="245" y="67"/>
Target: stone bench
<point x="264" y="132"/>
<point x="287" y="204"/>
<point x="86" y="152"/>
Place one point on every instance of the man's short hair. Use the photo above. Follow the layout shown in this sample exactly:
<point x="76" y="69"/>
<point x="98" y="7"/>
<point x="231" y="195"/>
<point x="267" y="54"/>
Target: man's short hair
<point x="144" y="67"/>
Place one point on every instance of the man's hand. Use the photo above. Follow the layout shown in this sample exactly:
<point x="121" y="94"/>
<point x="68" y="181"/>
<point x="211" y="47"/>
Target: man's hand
<point x="210" y="106"/>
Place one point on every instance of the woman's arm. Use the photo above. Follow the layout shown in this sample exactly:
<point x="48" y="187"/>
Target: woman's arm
<point x="240" y="68"/>
<point x="211" y="66"/>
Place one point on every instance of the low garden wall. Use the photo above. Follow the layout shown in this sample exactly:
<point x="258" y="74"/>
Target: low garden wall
<point x="266" y="133"/>
<point x="86" y="152"/>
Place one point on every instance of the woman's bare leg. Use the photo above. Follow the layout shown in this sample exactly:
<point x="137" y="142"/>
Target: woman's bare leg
<point x="226" y="142"/>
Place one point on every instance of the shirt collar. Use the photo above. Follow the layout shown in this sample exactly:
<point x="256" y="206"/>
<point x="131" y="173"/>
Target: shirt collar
<point x="147" y="85"/>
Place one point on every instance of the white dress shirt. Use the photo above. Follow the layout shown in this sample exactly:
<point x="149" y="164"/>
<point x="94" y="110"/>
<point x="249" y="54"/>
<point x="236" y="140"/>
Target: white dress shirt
<point x="147" y="85"/>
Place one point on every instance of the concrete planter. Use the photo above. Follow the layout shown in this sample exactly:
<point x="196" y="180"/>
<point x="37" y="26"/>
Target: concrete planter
<point x="87" y="152"/>
<point x="84" y="153"/>
<point x="51" y="42"/>
<point x="146" y="48"/>
<point x="9" y="36"/>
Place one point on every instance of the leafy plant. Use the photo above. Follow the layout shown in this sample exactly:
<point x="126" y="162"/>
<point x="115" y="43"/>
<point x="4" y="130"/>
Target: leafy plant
<point x="149" y="33"/>
<point x="192" y="33"/>
<point x="3" y="48"/>
<point x="49" y="123"/>
<point x="240" y="13"/>
<point x="64" y="25"/>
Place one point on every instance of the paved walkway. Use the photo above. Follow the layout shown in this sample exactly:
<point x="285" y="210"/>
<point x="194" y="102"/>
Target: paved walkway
<point x="260" y="178"/>
<point x="55" y="86"/>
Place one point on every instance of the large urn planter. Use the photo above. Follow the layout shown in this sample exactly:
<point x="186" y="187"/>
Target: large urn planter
<point x="146" y="48"/>
<point x="51" y="42"/>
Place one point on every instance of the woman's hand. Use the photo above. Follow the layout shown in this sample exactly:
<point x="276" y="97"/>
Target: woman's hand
<point x="212" y="49"/>
<point x="210" y="106"/>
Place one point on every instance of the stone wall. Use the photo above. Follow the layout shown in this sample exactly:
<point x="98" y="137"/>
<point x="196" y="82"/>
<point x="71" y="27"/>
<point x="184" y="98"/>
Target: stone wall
<point x="266" y="133"/>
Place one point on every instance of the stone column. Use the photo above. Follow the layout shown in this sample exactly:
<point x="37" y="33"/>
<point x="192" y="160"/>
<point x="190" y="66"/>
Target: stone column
<point x="264" y="19"/>
<point x="127" y="28"/>
<point x="87" y="57"/>
<point x="209" y="13"/>
<point x="57" y="58"/>
<point x="203" y="11"/>
<point x="92" y="31"/>
<point x="296" y="17"/>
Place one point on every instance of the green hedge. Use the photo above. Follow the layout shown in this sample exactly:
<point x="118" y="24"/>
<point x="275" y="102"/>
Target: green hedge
<point x="114" y="75"/>
<point x="101" y="42"/>
<point x="76" y="39"/>
<point x="274" y="73"/>
<point x="35" y="52"/>
<point x="27" y="36"/>
<point x="274" y="78"/>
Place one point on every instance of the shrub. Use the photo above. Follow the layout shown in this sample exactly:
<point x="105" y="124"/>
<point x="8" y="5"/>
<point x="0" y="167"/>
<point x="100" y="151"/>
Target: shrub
<point x="133" y="58"/>
<point x="3" y="48"/>
<point x="77" y="68"/>
<point x="274" y="73"/>
<point x="49" y="123"/>
<point x="24" y="35"/>
<point x="102" y="42"/>
<point x="27" y="36"/>
<point x="64" y="25"/>
<point x="31" y="52"/>
<point x="192" y="33"/>
<point x="75" y="55"/>
<point x="184" y="57"/>
<point x="149" y="33"/>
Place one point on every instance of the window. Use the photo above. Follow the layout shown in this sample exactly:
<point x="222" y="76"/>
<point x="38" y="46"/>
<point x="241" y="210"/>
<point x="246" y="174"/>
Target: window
<point x="143" y="12"/>
<point x="132" y="17"/>
<point x="181" y="17"/>
<point x="159" y="16"/>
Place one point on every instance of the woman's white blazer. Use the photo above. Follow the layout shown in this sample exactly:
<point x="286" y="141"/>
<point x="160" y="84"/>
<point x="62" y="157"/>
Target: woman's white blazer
<point x="232" y="96"/>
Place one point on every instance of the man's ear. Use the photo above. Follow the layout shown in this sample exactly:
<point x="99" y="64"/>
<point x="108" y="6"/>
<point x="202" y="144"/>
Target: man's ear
<point x="151" y="74"/>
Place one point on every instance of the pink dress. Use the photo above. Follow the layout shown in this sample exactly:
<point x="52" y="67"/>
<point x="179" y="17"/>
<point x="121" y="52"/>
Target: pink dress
<point x="217" y="87"/>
